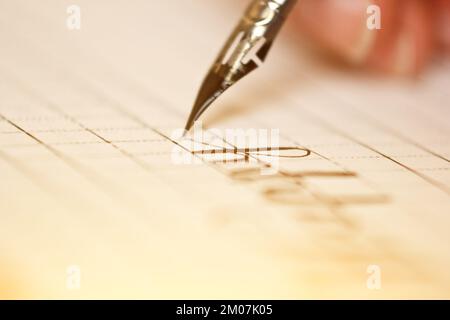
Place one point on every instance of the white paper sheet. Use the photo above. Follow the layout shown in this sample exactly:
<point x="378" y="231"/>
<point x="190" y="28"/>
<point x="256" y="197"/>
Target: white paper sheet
<point x="89" y="190"/>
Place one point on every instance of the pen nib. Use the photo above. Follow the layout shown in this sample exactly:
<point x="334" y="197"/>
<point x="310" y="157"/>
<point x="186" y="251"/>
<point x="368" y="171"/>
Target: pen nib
<point x="245" y="50"/>
<point x="213" y="86"/>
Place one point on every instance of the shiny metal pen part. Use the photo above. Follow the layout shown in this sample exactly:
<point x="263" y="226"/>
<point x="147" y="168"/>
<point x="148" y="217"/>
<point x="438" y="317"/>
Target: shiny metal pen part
<point x="245" y="50"/>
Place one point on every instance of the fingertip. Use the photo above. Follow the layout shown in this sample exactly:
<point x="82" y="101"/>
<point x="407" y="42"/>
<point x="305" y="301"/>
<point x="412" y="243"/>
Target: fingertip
<point x="407" y="48"/>
<point x="341" y="26"/>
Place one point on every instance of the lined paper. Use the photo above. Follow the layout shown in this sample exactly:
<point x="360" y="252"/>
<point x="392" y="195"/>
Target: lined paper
<point x="88" y="179"/>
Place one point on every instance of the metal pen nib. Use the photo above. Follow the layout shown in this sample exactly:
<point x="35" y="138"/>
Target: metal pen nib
<point x="245" y="50"/>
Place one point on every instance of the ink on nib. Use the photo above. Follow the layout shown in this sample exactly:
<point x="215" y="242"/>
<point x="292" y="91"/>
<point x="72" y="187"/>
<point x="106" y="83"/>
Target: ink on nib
<point x="187" y="310"/>
<point x="212" y="87"/>
<point x="200" y="106"/>
<point x="194" y="115"/>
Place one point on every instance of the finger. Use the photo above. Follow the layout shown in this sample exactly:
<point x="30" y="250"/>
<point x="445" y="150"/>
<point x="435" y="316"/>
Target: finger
<point x="442" y="24"/>
<point x="407" y="47"/>
<point x="341" y="26"/>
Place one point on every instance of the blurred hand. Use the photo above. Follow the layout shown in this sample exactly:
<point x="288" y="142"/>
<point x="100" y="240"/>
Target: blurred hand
<point x="411" y="31"/>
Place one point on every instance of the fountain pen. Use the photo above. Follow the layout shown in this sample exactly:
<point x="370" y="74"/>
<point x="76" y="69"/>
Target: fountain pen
<point x="244" y="51"/>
